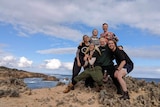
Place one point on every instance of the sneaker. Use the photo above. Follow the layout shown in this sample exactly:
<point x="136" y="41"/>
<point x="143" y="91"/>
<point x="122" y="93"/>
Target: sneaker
<point x="125" y="96"/>
<point x="68" y="88"/>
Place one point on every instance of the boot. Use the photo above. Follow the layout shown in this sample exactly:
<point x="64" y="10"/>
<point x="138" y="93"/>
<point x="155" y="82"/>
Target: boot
<point x="68" y="88"/>
<point x="119" y="91"/>
<point x="125" y="96"/>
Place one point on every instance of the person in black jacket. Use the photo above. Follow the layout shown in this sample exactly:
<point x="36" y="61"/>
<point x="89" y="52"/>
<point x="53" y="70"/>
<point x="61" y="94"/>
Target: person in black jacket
<point x="124" y="66"/>
<point x="79" y="59"/>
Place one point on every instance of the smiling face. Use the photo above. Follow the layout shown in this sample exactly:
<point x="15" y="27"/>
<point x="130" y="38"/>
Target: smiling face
<point x="95" y="32"/>
<point x="105" y="27"/>
<point x="102" y="42"/>
<point x="85" y="38"/>
<point x="91" y="47"/>
<point x="112" y="45"/>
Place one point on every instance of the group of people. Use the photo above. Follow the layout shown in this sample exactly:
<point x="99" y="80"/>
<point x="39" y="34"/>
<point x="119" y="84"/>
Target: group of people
<point x="95" y="55"/>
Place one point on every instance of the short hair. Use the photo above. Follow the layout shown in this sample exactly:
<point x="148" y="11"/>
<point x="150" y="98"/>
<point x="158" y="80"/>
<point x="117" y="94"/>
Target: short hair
<point x="105" y="24"/>
<point x="84" y="36"/>
<point x="94" y="30"/>
<point x="120" y="46"/>
<point x="102" y="38"/>
<point x="115" y="42"/>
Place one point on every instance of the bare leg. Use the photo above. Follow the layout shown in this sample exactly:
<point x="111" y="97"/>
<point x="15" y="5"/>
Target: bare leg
<point x="119" y="75"/>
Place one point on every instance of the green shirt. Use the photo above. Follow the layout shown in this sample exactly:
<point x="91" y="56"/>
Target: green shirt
<point x="106" y="57"/>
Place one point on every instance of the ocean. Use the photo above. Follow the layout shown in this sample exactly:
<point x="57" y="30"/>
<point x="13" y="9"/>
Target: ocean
<point x="37" y="83"/>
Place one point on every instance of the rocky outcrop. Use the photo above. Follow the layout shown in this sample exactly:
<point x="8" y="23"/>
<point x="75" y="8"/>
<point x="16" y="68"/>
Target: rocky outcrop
<point x="21" y="74"/>
<point x="142" y="94"/>
<point x="12" y="84"/>
<point x="12" y="87"/>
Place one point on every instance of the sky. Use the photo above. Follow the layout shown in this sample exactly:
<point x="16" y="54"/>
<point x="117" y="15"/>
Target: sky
<point x="43" y="35"/>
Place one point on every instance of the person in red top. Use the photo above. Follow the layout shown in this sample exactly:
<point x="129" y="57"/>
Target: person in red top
<point x="106" y="34"/>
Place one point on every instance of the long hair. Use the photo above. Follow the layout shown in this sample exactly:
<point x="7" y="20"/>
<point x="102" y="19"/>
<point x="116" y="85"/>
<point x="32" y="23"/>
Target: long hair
<point x="95" y="48"/>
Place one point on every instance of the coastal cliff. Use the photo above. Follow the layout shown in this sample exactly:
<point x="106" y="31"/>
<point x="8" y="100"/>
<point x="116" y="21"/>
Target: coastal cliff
<point x="21" y="74"/>
<point x="12" y="84"/>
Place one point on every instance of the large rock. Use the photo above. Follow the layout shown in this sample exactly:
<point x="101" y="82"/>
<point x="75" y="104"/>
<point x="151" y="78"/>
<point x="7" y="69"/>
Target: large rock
<point x="11" y="81"/>
<point x="142" y="94"/>
<point x="12" y="87"/>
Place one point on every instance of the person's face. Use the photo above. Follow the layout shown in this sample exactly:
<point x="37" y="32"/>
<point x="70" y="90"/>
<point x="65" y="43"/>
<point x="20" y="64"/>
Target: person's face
<point x="95" y="32"/>
<point x="105" y="27"/>
<point x="111" y="44"/>
<point x="102" y="42"/>
<point x="86" y="39"/>
<point x="91" y="47"/>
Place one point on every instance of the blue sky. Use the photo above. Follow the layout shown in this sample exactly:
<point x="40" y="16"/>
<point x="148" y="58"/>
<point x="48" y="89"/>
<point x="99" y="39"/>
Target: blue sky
<point x="42" y="35"/>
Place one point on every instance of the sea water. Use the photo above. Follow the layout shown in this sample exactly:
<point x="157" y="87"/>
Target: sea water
<point x="35" y="83"/>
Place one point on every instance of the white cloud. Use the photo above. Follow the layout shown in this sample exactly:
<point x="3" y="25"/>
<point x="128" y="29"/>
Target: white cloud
<point x="24" y="62"/>
<point x="8" y="61"/>
<point x="52" y="64"/>
<point x="11" y="61"/>
<point x="65" y="19"/>
<point x="150" y="52"/>
<point x="147" y="72"/>
<point x="68" y="65"/>
<point x="58" y="51"/>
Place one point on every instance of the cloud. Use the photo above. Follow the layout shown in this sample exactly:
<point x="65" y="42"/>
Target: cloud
<point x="8" y="61"/>
<point x="52" y="64"/>
<point x="11" y="61"/>
<point x="150" y="52"/>
<point x="58" y="51"/>
<point x="68" y="65"/>
<point x="147" y="72"/>
<point x="24" y="62"/>
<point x="65" y="19"/>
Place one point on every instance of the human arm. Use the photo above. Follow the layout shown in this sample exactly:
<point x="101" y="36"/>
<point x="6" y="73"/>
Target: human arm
<point x="77" y="57"/>
<point x="92" y="60"/>
<point x="120" y="58"/>
<point x="121" y="65"/>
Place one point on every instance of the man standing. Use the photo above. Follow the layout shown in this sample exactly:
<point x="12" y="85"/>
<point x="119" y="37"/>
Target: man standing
<point x="106" y="34"/>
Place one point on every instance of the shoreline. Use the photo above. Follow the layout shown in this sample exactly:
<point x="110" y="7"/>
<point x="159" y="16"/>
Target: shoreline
<point x="38" y="84"/>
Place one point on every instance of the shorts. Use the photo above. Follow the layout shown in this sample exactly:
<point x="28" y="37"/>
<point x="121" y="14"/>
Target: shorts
<point x="128" y="67"/>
